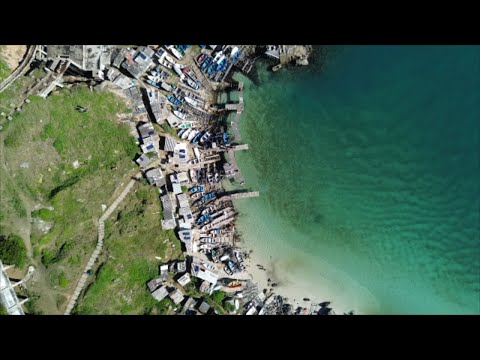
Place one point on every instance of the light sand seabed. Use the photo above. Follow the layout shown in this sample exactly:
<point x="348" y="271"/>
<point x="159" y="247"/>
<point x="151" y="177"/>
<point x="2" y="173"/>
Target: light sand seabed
<point x="306" y="281"/>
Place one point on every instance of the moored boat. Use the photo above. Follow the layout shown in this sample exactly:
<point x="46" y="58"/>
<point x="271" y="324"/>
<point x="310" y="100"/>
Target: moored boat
<point x="190" y="101"/>
<point x="180" y="114"/>
<point x="178" y="69"/>
<point x="192" y="135"/>
<point x="186" y="133"/>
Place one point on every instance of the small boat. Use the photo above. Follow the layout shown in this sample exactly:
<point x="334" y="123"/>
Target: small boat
<point x="202" y="219"/>
<point x="153" y="78"/>
<point x="180" y="133"/>
<point x="193" y="84"/>
<point x="208" y="240"/>
<point x="206" y="227"/>
<point x="178" y="69"/>
<point x="209" y="266"/>
<point x="234" y="284"/>
<point x="196" y="196"/>
<point x="153" y="83"/>
<point x="166" y="86"/>
<point x="205" y="137"/>
<point x="190" y="73"/>
<point x="167" y="64"/>
<point x="226" y="139"/>
<point x="192" y="135"/>
<point x="186" y="133"/>
<point x="180" y="115"/>
<point x="176" y="53"/>
<point x="190" y="101"/>
<point x="186" y="125"/>
<point x="206" y="246"/>
<point x="193" y="161"/>
<point x="170" y="59"/>
<point x="193" y="175"/>
<point x="215" y="232"/>
<point x="209" y="209"/>
<point x="234" y="50"/>
<point x="197" y="138"/>
<point x="201" y="58"/>
<point x="197" y="189"/>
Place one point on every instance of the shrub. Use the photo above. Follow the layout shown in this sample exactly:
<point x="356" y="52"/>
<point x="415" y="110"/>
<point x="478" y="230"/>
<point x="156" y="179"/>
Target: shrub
<point x="12" y="250"/>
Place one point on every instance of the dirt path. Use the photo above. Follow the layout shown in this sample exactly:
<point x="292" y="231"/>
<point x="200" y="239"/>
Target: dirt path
<point x="101" y="234"/>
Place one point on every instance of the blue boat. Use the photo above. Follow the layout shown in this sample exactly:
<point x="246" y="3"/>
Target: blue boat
<point x="153" y="83"/>
<point x="202" y="219"/>
<point x="226" y="139"/>
<point x="206" y="63"/>
<point x="197" y="138"/>
<point x="205" y="199"/>
<point x="196" y="189"/>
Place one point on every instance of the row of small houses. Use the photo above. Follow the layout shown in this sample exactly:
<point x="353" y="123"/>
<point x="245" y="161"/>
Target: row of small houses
<point x="160" y="290"/>
<point x="176" y="199"/>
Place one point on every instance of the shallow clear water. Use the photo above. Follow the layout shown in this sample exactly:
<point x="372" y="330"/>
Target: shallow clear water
<point x="368" y="174"/>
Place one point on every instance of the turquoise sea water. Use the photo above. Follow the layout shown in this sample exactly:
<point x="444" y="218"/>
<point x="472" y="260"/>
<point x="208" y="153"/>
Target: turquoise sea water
<point x="369" y="176"/>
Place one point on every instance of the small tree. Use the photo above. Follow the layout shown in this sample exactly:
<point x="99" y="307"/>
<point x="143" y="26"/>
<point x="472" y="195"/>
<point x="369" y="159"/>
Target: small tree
<point x="218" y="296"/>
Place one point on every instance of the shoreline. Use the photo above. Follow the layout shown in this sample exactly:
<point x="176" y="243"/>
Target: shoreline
<point x="297" y="294"/>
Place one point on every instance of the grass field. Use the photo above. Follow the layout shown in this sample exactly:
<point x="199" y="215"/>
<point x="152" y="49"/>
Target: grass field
<point x="133" y="238"/>
<point x="4" y="70"/>
<point x="37" y="151"/>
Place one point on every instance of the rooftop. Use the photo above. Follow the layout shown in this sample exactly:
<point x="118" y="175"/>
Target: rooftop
<point x="204" y="274"/>
<point x="176" y="296"/>
<point x="154" y="284"/>
<point x="204" y="307"/>
<point x="185" y="279"/>
<point x="160" y="294"/>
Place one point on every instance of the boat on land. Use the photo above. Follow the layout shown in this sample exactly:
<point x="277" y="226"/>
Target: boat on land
<point x="190" y="101"/>
<point x="181" y="115"/>
<point x="178" y="69"/>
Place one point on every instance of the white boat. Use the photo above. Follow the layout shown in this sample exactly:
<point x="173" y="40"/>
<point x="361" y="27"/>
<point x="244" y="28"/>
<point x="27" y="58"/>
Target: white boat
<point x="209" y="209"/>
<point x="154" y="78"/>
<point x="192" y="135"/>
<point x="190" y="101"/>
<point x="193" y="176"/>
<point x="217" y="56"/>
<point x="175" y="52"/>
<point x="221" y="59"/>
<point x="193" y="84"/>
<point x="209" y="266"/>
<point x="165" y="63"/>
<point x="178" y="69"/>
<point x="197" y="195"/>
<point x="186" y="133"/>
<point x="180" y="133"/>
<point x="205" y="137"/>
<point x="234" y="51"/>
<point x="206" y="246"/>
<point x="179" y="114"/>
<point x="170" y="59"/>
<point x="197" y="152"/>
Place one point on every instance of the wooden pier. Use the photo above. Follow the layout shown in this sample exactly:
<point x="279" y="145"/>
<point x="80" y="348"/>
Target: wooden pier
<point x="241" y="195"/>
<point x="224" y="149"/>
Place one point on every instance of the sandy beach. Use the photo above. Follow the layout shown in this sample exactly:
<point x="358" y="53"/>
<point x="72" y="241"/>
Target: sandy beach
<point x="296" y="288"/>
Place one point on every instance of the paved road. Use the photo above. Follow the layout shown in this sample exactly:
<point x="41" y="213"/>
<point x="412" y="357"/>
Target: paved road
<point x="21" y="69"/>
<point x="98" y="249"/>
